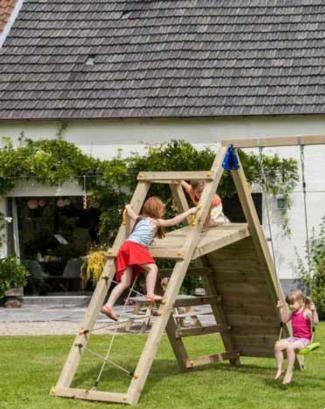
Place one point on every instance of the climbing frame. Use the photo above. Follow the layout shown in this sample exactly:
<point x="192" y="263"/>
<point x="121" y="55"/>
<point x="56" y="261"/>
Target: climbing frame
<point x="237" y="271"/>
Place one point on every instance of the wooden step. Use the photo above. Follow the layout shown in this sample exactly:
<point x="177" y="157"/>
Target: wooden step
<point x="193" y="301"/>
<point x="89" y="394"/>
<point x="172" y="177"/>
<point x="192" y="332"/>
<point x="210" y="359"/>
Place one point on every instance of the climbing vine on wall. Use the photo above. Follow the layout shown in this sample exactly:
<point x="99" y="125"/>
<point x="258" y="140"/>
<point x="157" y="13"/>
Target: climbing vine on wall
<point x="110" y="182"/>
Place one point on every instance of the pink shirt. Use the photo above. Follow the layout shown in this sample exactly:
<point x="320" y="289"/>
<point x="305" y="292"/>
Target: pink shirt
<point x="301" y="327"/>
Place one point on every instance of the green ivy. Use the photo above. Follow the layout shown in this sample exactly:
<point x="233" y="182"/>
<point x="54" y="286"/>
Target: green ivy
<point x="109" y="183"/>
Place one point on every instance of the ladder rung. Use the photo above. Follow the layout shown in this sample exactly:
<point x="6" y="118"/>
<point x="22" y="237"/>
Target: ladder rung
<point x="167" y="272"/>
<point x="187" y="302"/>
<point x="192" y="332"/>
<point x="209" y="359"/>
<point x="89" y="394"/>
<point x="158" y="252"/>
<point x="170" y="177"/>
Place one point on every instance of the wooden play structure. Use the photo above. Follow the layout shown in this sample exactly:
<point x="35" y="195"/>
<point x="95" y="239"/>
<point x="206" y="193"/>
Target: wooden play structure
<point x="238" y="275"/>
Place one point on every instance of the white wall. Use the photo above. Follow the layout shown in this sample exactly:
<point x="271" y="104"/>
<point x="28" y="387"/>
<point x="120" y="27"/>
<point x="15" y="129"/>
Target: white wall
<point x="3" y="248"/>
<point x="104" y="139"/>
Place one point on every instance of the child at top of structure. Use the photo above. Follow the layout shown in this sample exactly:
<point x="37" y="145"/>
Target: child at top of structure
<point x="303" y="316"/>
<point x="134" y="257"/>
<point x="194" y="189"/>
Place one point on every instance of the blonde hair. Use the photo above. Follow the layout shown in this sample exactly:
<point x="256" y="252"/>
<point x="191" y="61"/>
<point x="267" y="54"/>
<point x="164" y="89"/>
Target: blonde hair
<point x="300" y="297"/>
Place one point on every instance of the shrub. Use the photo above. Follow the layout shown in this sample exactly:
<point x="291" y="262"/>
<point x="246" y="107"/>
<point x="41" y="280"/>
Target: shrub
<point x="313" y="275"/>
<point x="12" y="274"/>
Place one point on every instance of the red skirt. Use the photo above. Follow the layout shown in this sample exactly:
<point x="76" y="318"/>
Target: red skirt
<point x="132" y="254"/>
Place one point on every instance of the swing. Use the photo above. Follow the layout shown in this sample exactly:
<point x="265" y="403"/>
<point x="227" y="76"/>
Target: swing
<point x="313" y="345"/>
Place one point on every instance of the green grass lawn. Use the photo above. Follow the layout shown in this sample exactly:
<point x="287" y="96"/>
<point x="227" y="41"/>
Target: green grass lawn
<point x="29" y="366"/>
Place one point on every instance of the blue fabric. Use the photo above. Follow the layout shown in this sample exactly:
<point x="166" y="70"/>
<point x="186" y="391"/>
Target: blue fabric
<point x="230" y="161"/>
<point x="144" y="232"/>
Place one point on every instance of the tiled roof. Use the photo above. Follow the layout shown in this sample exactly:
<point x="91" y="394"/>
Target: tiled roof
<point x="6" y="7"/>
<point x="196" y="58"/>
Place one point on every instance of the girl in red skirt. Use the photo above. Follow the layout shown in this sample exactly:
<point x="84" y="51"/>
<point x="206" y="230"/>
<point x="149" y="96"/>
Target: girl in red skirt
<point x="134" y="257"/>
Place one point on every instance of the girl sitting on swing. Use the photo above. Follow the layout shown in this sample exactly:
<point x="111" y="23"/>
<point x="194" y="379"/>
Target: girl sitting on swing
<point x="303" y="316"/>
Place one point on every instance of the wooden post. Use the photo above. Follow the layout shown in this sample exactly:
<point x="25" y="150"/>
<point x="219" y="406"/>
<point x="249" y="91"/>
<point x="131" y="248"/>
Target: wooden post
<point x="175" y="282"/>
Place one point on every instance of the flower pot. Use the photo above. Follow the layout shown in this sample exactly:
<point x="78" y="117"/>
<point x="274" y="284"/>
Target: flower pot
<point x="14" y="298"/>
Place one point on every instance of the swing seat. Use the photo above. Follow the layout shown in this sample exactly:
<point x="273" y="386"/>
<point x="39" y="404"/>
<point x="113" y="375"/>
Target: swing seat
<point x="309" y="348"/>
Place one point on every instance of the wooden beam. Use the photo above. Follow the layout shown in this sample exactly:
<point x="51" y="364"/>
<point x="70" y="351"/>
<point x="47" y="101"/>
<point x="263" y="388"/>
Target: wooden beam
<point x="175" y="282"/>
<point x="210" y="244"/>
<point x="190" y="302"/>
<point x="210" y="359"/>
<point x="170" y="177"/>
<point x="193" y="332"/>
<point x="167" y="272"/>
<point x="180" y="199"/>
<point x="176" y="344"/>
<point x="219" y="315"/>
<point x="89" y="395"/>
<point x="275" y="142"/>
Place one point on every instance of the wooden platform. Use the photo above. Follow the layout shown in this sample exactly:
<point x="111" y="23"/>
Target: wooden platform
<point x="173" y="245"/>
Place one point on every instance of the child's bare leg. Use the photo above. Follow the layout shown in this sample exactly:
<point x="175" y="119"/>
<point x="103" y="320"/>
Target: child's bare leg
<point x="291" y="354"/>
<point x="151" y="278"/>
<point x="278" y="348"/>
<point x="117" y="292"/>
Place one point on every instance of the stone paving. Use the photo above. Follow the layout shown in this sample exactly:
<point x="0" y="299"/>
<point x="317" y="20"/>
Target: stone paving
<point x="57" y="320"/>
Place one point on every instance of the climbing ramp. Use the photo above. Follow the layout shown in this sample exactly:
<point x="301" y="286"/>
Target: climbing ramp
<point x="238" y="275"/>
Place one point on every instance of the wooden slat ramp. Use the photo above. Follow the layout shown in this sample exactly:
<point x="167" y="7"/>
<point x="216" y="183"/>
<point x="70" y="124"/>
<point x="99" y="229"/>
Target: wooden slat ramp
<point x="237" y="271"/>
<point x="241" y="281"/>
<point x="212" y="239"/>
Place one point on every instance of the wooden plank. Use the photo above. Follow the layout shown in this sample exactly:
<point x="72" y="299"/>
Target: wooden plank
<point x="174" y="284"/>
<point x="89" y="395"/>
<point x="170" y="177"/>
<point x="209" y="244"/>
<point x="167" y="272"/>
<point x="217" y="309"/>
<point x="210" y="359"/>
<point x="274" y="142"/>
<point x="179" y="199"/>
<point x="258" y="238"/>
<point x="211" y="329"/>
<point x="176" y="344"/>
<point x="257" y="352"/>
<point x="187" y="302"/>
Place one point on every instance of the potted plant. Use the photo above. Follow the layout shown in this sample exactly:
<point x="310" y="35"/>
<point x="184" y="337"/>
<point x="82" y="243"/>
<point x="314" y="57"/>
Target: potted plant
<point x="93" y="267"/>
<point x="12" y="276"/>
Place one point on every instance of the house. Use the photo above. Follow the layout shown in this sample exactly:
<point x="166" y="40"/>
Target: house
<point x="125" y="74"/>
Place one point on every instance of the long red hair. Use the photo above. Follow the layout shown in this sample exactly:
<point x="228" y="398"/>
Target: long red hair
<point x="154" y="207"/>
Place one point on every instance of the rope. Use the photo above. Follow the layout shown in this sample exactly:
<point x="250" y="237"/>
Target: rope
<point x="106" y="358"/>
<point x="264" y="179"/>
<point x="102" y="357"/>
<point x="303" y="183"/>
